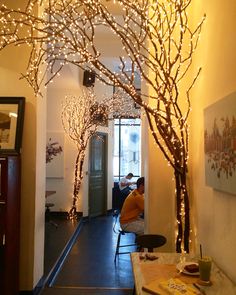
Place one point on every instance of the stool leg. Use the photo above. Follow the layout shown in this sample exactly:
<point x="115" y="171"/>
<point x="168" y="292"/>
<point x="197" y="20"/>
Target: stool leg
<point x="47" y="215"/>
<point x="117" y="246"/>
<point x="53" y="223"/>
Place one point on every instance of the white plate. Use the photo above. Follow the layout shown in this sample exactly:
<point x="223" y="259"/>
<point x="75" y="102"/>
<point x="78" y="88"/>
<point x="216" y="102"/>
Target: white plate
<point x="180" y="267"/>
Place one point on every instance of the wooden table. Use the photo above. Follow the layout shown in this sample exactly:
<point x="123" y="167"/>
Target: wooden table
<point x="49" y="193"/>
<point x="150" y="273"/>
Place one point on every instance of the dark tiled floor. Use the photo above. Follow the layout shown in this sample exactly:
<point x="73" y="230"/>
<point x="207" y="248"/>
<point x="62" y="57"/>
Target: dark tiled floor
<point x="87" y="291"/>
<point x="56" y="239"/>
<point x="89" y="268"/>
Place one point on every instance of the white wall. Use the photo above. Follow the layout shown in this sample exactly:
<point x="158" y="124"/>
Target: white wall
<point x="159" y="192"/>
<point x="215" y="219"/>
<point x="70" y="83"/>
<point x="66" y="84"/>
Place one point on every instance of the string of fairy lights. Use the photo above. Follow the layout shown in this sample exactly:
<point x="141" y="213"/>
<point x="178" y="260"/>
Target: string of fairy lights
<point x="156" y="40"/>
<point x="81" y="117"/>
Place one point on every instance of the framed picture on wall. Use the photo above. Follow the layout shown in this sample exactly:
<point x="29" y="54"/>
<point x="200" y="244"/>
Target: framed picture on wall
<point x="55" y="155"/>
<point x="220" y="144"/>
<point x="11" y="124"/>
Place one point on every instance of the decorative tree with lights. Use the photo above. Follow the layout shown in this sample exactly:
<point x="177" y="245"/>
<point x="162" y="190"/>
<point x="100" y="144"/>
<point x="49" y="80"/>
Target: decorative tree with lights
<point x="81" y="116"/>
<point x="157" y="41"/>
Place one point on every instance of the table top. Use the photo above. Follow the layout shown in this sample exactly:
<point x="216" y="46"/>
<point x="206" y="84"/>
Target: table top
<point x="49" y="193"/>
<point x="148" y="274"/>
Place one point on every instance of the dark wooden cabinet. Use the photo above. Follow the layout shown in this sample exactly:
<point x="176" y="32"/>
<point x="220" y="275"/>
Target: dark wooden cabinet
<point x="9" y="224"/>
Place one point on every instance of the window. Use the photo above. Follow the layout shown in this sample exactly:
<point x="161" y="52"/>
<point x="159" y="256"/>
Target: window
<point x="127" y="148"/>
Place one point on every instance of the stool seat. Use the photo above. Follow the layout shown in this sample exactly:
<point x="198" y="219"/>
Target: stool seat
<point x="49" y="205"/>
<point x="150" y="241"/>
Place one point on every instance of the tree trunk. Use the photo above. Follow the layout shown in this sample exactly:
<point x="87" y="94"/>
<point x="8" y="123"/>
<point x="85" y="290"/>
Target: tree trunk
<point x="182" y="211"/>
<point x="78" y="176"/>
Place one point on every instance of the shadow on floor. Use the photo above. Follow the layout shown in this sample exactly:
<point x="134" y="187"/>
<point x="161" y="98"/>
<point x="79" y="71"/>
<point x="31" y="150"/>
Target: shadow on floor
<point x="56" y="238"/>
<point x="89" y="268"/>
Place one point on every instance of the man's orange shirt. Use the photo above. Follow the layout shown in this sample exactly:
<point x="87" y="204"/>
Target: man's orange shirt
<point x="133" y="206"/>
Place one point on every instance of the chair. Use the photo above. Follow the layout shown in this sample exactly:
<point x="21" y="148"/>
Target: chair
<point x="118" y="197"/>
<point x="118" y="246"/>
<point x="150" y="241"/>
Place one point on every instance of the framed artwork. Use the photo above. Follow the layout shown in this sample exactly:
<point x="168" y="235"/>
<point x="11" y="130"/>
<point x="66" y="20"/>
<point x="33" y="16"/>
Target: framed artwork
<point x="11" y="124"/>
<point x="220" y="144"/>
<point x="55" y="155"/>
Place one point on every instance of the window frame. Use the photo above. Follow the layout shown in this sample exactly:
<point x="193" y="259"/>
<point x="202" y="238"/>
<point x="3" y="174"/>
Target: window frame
<point x="120" y="124"/>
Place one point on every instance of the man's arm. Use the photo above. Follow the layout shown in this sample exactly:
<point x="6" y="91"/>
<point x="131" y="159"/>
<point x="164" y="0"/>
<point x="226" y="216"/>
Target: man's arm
<point x="122" y="183"/>
<point x="140" y="202"/>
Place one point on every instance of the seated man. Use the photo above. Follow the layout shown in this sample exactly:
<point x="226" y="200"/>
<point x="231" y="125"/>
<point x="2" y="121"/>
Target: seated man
<point x="124" y="184"/>
<point x="133" y="207"/>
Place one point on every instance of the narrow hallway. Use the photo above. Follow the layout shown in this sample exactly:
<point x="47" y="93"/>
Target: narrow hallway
<point x="89" y="267"/>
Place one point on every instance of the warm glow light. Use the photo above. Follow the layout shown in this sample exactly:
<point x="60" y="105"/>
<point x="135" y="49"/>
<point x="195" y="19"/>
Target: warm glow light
<point x="13" y="115"/>
<point x="157" y="41"/>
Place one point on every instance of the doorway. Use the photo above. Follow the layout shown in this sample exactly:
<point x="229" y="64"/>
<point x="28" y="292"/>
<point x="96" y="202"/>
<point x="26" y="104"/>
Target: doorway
<point x="97" y="199"/>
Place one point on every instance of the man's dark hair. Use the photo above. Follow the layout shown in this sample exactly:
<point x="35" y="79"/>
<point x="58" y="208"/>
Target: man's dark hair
<point x="130" y="174"/>
<point x="140" y="181"/>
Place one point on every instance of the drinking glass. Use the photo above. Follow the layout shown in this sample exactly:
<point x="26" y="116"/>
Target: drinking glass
<point x="205" y="268"/>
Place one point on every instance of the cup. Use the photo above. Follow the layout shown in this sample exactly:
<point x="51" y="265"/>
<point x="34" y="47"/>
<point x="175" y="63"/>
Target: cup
<point x="205" y="268"/>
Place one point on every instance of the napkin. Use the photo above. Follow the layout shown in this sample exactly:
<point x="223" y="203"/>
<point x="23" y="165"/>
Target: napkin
<point x="178" y="287"/>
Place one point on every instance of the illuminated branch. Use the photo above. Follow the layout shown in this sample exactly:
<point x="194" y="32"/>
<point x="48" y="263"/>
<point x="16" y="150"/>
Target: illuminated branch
<point x="156" y="41"/>
<point x="81" y="116"/>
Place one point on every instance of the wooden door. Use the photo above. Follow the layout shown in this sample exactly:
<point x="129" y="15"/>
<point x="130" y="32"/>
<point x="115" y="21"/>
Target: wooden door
<point x="3" y="204"/>
<point x="98" y="175"/>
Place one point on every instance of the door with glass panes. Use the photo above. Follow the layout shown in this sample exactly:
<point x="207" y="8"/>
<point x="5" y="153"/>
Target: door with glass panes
<point x="98" y="175"/>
